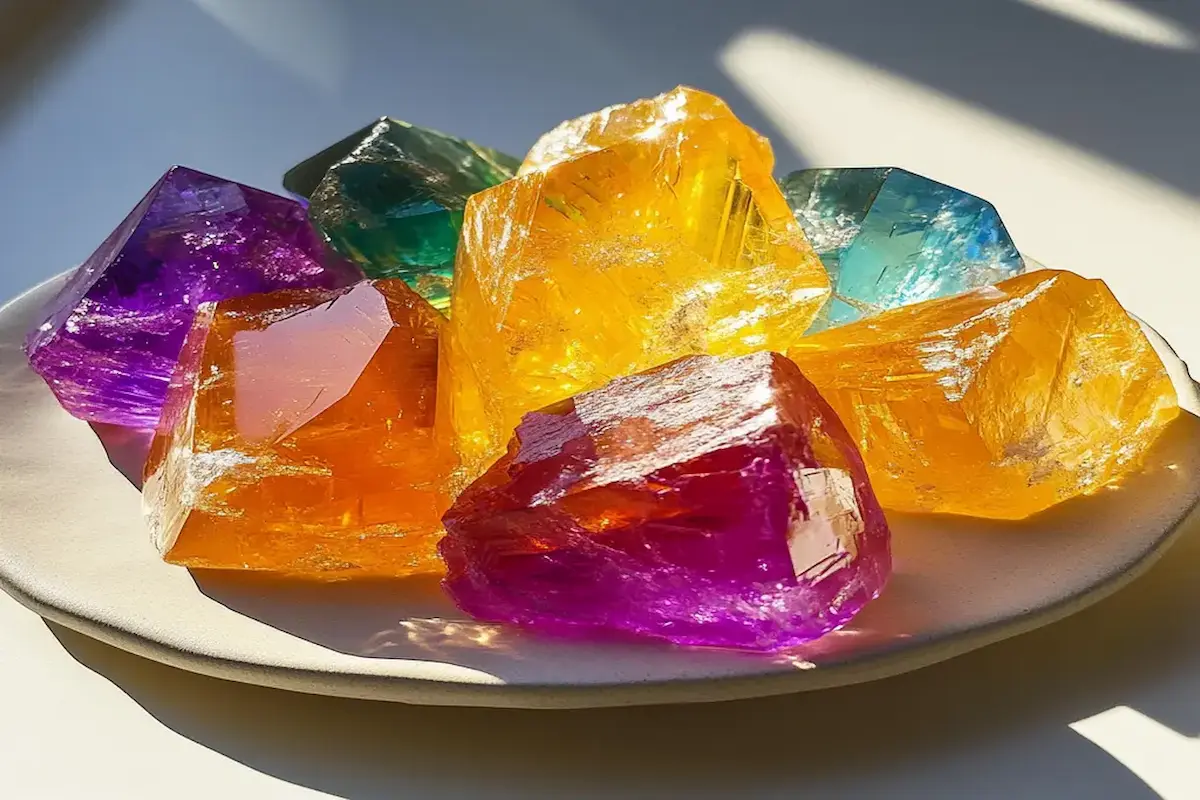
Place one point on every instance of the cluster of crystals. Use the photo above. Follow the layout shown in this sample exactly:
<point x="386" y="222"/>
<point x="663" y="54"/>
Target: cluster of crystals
<point x="890" y="238"/>
<point x="620" y="302"/>
<point x="391" y="197"/>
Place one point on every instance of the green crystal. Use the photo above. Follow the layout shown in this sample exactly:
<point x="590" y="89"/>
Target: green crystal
<point x="391" y="196"/>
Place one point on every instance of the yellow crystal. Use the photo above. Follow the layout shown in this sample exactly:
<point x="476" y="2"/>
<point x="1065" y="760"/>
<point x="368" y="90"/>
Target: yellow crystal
<point x="996" y="403"/>
<point x="635" y="235"/>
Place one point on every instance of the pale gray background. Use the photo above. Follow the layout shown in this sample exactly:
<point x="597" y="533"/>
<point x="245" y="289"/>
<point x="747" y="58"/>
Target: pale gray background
<point x="98" y="98"/>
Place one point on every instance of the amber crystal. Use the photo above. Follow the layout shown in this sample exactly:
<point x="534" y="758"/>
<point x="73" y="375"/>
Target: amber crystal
<point x="298" y="436"/>
<point x="997" y="403"/>
<point x="636" y="235"/>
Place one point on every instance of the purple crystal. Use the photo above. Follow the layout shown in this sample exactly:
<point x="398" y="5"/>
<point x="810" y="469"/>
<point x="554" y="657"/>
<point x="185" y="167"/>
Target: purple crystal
<point x="704" y="502"/>
<point x="109" y="339"/>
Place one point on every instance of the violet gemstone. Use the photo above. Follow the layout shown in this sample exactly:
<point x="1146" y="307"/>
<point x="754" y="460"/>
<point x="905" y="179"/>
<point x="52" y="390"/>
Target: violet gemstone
<point x="108" y="341"/>
<point x="706" y="502"/>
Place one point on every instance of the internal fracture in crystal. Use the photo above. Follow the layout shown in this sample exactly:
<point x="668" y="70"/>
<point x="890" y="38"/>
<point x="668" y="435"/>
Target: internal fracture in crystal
<point x="999" y="402"/>
<point x="705" y="502"/>
<point x="298" y="437"/>
<point x="391" y="197"/>
<point x="890" y="238"/>
<point x="108" y="341"/>
<point x="635" y="235"/>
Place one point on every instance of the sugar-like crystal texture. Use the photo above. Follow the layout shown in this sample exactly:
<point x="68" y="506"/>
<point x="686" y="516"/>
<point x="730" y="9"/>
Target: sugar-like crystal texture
<point x="634" y="236"/>
<point x="890" y="238"/>
<point x="108" y="341"/>
<point x="298" y="436"/>
<point x="704" y="502"/>
<point x="999" y="402"/>
<point x="391" y="197"/>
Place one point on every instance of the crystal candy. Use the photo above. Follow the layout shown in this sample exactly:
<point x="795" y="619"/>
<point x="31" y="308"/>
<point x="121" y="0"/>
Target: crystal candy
<point x="109" y="339"/>
<point x="298" y="436"/>
<point x="391" y="197"/>
<point x="637" y="235"/>
<point x="997" y="403"/>
<point x="706" y="502"/>
<point x="890" y="238"/>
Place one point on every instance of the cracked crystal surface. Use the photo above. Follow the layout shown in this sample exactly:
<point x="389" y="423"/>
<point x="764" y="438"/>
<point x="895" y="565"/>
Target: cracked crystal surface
<point x="298" y="436"/>
<point x="705" y="502"/>
<point x="635" y="235"/>
<point x="999" y="402"/>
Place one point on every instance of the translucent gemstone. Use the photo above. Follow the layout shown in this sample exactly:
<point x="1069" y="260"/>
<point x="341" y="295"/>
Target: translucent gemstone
<point x="107" y="342"/>
<point x="298" y="436"/>
<point x="637" y="235"/>
<point x="996" y="403"/>
<point x="705" y="502"/>
<point x="890" y="238"/>
<point x="391" y="197"/>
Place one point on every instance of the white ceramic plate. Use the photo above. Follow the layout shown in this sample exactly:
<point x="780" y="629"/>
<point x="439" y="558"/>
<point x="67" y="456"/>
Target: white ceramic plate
<point x="73" y="549"/>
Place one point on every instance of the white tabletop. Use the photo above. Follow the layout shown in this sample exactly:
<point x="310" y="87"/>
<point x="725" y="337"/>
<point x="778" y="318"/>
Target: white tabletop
<point x="1081" y="128"/>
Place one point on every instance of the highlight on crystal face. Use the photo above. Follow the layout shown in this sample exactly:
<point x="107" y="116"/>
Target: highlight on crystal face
<point x="890" y="238"/>
<point x="635" y="235"/>
<point x="704" y="502"/>
<point x="108" y="341"/>
<point x="391" y="196"/>
<point x="298" y="436"/>
<point x="996" y="403"/>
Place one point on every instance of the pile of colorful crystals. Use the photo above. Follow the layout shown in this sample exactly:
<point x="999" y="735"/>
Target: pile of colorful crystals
<point x="631" y="385"/>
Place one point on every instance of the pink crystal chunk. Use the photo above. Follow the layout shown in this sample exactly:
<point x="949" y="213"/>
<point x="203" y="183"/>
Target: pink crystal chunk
<point x="705" y="502"/>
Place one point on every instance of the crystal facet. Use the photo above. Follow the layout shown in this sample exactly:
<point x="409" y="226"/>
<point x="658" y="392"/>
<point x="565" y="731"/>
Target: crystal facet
<point x="110" y="337"/>
<point x="890" y="238"/>
<point x="996" y="403"/>
<point x="636" y="235"/>
<point x="705" y="502"/>
<point x="298" y="436"/>
<point x="391" y="197"/>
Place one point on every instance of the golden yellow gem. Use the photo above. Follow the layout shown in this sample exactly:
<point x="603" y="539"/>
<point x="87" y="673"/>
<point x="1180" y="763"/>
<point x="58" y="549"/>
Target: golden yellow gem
<point x="635" y="235"/>
<point x="997" y="403"/>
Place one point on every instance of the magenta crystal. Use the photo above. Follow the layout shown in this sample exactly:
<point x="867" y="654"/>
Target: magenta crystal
<point x="108" y="341"/>
<point x="706" y="502"/>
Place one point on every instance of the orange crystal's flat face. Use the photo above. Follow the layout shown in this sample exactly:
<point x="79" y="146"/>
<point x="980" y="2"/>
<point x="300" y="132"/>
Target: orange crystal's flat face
<point x="996" y="403"/>
<point x="637" y="235"/>
<point x="298" y="436"/>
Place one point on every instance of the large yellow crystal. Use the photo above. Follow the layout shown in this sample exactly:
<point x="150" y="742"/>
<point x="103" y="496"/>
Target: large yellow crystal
<point x="636" y="235"/>
<point x="298" y="436"/>
<point x="996" y="403"/>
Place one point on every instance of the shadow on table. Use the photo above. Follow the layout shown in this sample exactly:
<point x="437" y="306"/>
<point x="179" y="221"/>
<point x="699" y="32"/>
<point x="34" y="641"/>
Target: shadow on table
<point x="992" y="723"/>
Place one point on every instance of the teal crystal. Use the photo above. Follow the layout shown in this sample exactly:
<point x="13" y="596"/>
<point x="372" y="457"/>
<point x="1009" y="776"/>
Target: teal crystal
<point x="889" y="238"/>
<point x="391" y="195"/>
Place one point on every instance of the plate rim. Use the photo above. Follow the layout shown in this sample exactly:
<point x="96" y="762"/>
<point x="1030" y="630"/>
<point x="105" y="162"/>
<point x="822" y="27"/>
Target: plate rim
<point x="917" y="654"/>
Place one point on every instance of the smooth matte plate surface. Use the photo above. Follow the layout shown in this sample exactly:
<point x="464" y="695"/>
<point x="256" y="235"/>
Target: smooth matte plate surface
<point x="74" y="549"/>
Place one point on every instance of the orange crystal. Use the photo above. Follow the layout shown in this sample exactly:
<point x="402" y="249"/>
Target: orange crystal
<point x="997" y="403"/>
<point x="298" y="436"/>
<point x="636" y="235"/>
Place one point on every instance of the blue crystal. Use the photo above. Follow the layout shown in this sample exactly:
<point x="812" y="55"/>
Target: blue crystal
<point x="889" y="238"/>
